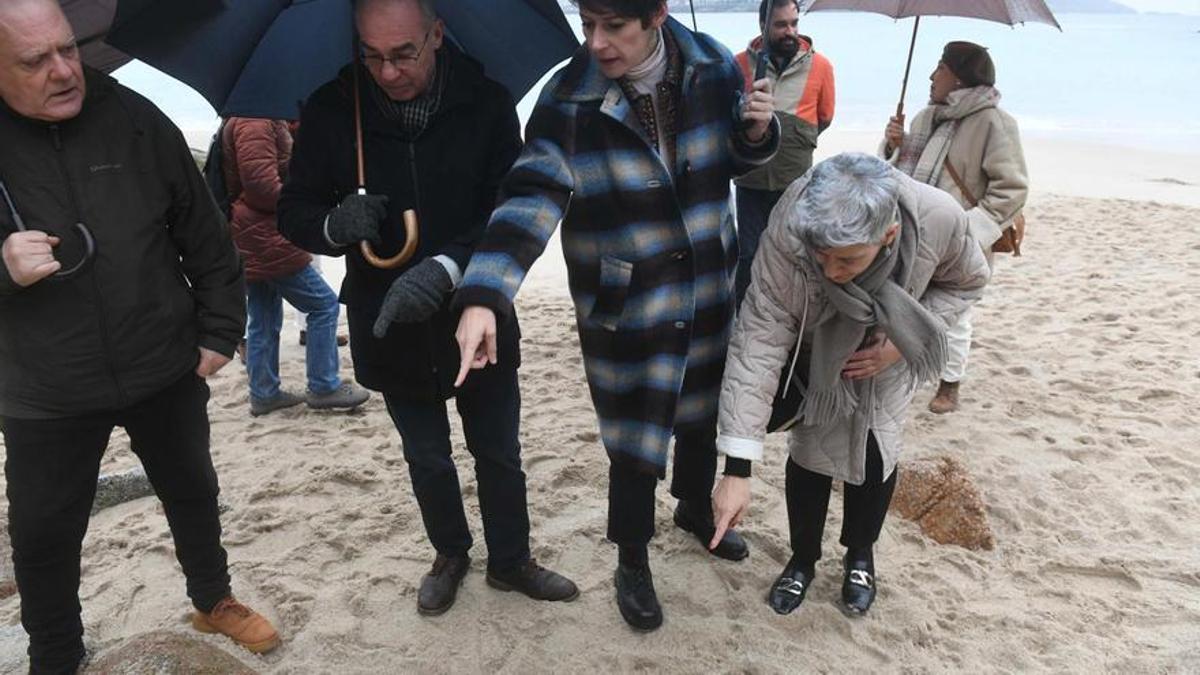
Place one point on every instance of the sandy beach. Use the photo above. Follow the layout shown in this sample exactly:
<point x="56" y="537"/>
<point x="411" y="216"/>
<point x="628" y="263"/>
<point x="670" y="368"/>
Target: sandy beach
<point x="1078" y="425"/>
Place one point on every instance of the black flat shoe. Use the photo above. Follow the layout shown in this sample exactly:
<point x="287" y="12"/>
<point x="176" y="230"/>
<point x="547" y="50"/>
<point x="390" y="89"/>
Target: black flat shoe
<point x="731" y="547"/>
<point x="789" y="589"/>
<point x="636" y="598"/>
<point x="534" y="581"/>
<point x="439" y="588"/>
<point x="858" y="589"/>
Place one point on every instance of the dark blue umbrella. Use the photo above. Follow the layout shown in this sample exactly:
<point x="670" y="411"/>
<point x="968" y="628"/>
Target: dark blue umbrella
<point x="262" y="58"/>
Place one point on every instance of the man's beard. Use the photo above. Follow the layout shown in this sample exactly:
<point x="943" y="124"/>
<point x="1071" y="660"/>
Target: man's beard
<point x="785" y="48"/>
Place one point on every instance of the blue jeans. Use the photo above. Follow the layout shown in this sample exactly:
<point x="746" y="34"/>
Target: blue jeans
<point x="490" y="414"/>
<point x="307" y="291"/>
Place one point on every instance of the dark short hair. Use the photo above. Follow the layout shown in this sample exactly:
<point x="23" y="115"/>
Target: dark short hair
<point x="642" y="10"/>
<point x="770" y="5"/>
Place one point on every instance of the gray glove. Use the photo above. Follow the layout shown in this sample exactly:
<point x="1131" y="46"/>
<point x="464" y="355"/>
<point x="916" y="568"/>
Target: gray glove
<point x="357" y="219"/>
<point x="414" y="296"/>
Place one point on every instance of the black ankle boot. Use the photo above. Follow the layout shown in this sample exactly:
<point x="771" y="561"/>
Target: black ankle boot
<point x="636" y="598"/>
<point x="858" y="584"/>
<point x="697" y="518"/>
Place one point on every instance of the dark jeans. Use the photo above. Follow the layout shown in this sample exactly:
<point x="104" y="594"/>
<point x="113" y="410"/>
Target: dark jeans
<point x="631" y="490"/>
<point x="753" y="211"/>
<point x="51" y="469"/>
<point x="864" y="507"/>
<point x="490" y="413"/>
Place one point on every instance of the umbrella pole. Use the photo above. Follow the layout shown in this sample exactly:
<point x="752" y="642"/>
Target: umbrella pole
<point x="695" y="28"/>
<point x="908" y="67"/>
<point x="410" y="216"/>
<point x="358" y="135"/>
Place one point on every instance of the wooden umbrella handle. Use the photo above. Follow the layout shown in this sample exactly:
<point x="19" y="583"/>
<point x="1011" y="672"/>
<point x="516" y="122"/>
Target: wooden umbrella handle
<point x="410" y="246"/>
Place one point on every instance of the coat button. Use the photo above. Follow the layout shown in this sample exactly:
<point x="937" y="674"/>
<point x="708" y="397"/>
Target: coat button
<point x="680" y="255"/>
<point x="681" y="325"/>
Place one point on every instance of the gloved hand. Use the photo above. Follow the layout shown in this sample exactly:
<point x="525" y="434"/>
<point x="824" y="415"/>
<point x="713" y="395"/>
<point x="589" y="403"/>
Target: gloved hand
<point x="357" y="219"/>
<point x="414" y="296"/>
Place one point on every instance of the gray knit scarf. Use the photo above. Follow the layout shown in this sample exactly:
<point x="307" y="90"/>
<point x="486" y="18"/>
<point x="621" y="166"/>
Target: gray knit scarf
<point x="874" y="299"/>
<point x="413" y="116"/>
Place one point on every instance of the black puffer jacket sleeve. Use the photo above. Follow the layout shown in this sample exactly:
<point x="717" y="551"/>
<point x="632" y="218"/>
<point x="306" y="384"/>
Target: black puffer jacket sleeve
<point x="206" y="252"/>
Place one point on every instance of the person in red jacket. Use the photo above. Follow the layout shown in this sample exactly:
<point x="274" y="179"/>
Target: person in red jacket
<point x="256" y="153"/>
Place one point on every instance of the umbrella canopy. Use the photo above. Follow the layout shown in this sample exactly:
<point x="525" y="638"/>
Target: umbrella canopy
<point x="263" y="58"/>
<point x="90" y="20"/>
<point x="1010" y="12"/>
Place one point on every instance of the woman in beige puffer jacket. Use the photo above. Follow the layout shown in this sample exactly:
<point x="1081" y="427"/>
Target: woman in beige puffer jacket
<point x="864" y="269"/>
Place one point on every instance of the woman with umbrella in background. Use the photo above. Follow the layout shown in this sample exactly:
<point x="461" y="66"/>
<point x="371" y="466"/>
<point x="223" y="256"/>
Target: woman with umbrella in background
<point x="963" y="143"/>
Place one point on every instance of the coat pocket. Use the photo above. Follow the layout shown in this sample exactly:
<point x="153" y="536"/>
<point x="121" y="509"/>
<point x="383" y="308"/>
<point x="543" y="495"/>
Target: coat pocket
<point x="615" y="277"/>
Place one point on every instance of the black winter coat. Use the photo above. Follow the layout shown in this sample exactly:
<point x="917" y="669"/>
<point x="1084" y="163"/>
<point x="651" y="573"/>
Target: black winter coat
<point x="450" y="175"/>
<point x="166" y="277"/>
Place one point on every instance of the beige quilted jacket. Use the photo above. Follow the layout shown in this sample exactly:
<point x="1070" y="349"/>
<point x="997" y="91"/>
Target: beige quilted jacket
<point x="948" y="277"/>
<point x="986" y="152"/>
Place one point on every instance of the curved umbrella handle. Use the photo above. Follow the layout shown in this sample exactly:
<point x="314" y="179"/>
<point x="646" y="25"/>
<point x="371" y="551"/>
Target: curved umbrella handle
<point x="410" y="246"/>
<point x="89" y="252"/>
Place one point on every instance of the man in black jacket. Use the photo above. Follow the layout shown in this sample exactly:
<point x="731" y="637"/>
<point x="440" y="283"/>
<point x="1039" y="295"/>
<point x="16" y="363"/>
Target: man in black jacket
<point x="121" y="331"/>
<point x="438" y="137"/>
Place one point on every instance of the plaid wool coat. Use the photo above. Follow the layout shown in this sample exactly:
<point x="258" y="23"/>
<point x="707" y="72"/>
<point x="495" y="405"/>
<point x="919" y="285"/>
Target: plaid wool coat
<point x="651" y="252"/>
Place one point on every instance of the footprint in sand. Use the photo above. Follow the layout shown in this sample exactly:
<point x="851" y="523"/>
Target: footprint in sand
<point x="1155" y="394"/>
<point x="1096" y="575"/>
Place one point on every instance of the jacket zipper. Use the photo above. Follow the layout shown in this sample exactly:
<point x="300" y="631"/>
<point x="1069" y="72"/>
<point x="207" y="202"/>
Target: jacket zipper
<point x="429" y="341"/>
<point x="97" y="297"/>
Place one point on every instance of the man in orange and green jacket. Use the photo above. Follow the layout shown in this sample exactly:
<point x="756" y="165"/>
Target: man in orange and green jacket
<point x="804" y="100"/>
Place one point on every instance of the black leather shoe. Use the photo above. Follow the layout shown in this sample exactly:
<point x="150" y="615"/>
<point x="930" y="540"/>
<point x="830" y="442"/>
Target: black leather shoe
<point x="535" y="581"/>
<point x="789" y="589"/>
<point x="439" y="588"/>
<point x="858" y="588"/>
<point x="636" y="598"/>
<point x="731" y="546"/>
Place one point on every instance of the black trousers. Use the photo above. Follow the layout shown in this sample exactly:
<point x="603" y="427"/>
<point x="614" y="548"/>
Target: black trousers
<point x="51" y="469"/>
<point x="631" y="489"/>
<point x="864" y="507"/>
<point x="491" y="414"/>
<point x="753" y="211"/>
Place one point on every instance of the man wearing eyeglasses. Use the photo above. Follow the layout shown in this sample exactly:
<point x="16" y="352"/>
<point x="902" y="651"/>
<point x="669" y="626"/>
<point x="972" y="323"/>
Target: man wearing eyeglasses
<point x="121" y="330"/>
<point x="437" y="137"/>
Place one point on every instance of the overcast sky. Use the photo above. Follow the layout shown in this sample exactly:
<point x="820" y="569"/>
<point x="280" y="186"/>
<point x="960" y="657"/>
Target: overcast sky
<point x="1181" y="6"/>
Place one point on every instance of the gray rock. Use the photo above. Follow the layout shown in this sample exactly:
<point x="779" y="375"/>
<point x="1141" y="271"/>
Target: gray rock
<point x="118" y="488"/>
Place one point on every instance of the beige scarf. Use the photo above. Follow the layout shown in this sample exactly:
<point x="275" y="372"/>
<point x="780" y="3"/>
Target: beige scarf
<point x="926" y="144"/>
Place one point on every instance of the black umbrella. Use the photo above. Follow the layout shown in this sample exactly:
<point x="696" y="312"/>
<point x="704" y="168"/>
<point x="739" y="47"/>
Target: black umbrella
<point x="260" y="58"/>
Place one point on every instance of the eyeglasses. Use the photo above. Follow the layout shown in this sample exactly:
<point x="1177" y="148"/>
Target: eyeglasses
<point x="397" y="61"/>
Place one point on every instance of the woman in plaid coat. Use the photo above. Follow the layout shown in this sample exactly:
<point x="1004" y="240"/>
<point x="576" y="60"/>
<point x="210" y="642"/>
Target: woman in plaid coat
<point x="632" y="146"/>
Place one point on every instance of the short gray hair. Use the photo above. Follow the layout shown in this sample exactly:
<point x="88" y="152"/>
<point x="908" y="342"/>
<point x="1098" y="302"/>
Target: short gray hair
<point x="850" y="199"/>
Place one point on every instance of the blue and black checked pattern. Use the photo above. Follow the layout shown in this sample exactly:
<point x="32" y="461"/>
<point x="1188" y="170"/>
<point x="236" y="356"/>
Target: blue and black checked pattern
<point x="651" y="251"/>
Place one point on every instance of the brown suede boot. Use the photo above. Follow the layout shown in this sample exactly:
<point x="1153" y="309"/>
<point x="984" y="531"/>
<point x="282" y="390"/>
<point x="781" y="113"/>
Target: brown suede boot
<point x="243" y="625"/>
<point x="946" y="400"/>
